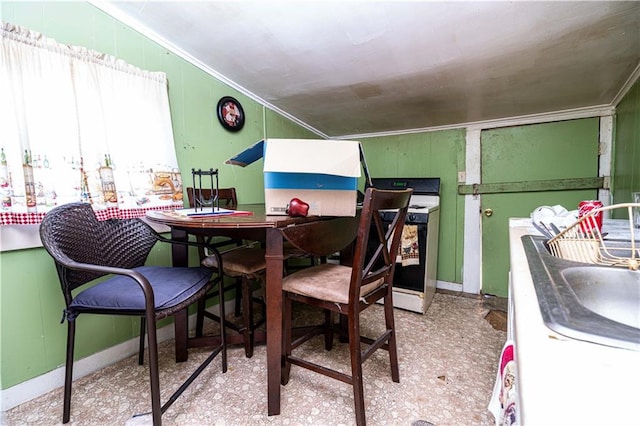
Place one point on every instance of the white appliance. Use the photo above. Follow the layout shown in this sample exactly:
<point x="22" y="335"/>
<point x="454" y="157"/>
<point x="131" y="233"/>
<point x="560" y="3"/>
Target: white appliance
<point x="414" y="285"/>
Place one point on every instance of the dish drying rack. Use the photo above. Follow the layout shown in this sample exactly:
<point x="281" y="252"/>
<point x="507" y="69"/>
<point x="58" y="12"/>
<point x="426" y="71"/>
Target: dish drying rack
<point x="583" y="242"/>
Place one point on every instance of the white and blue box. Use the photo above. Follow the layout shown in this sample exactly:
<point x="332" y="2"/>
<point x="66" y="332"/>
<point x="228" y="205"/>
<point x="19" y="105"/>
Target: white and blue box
<point x="322" y="173"/>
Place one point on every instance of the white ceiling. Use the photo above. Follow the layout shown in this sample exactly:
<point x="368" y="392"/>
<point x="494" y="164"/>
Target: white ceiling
<point x="366" y="67"/>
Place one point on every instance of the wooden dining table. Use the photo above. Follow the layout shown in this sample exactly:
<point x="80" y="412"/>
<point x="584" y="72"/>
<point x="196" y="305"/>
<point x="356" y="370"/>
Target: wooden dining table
<point x="326" y="236"/>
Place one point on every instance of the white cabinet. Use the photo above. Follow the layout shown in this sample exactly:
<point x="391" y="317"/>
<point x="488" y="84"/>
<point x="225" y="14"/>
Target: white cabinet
<point x="562" y="380"/>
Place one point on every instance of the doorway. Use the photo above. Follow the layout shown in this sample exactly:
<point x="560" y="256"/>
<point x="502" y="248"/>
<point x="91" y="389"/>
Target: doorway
<point x="538" y="152"/>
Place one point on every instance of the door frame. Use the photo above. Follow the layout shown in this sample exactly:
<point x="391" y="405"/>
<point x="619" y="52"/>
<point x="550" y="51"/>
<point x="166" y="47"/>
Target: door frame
<point x="472" y="241"/>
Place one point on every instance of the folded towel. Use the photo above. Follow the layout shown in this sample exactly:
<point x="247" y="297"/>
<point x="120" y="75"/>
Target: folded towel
<point x="503" y="401"/>
<point x="408" y="253"/>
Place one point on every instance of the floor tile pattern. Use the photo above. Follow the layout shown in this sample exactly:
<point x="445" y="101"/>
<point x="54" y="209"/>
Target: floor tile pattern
<point x="448" y="360"/>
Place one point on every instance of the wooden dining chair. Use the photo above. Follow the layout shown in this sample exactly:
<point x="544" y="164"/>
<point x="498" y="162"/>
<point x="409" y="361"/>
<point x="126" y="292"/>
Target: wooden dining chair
<point x="226" y="198"/>
<point x="241" y="260"/>
<point x="349" y="290"/>
<point x="84" y="249"/>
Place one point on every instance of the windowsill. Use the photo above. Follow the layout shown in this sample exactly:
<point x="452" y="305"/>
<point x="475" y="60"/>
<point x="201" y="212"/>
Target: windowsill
<point x="22" y="237"/>
<point x="19" y="237"/>
<point x="21" y="230"/>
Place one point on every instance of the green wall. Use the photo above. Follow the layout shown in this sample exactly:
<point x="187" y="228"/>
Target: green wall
<point x="431" y="154"/>
<point x="626" y="176"/>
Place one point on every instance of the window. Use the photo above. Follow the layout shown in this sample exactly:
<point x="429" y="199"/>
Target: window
<point x="78" y="125"/>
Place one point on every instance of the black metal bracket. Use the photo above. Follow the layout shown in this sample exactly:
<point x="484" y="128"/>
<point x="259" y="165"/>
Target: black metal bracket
<point x="199" y="201"/>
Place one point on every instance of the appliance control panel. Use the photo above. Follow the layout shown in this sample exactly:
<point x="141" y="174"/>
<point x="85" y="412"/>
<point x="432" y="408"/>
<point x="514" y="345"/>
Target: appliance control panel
<point x="424" y="186"/>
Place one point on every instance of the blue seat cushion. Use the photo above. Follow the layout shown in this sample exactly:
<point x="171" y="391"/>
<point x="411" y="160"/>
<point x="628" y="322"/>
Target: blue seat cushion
<point x="171" y="286"/>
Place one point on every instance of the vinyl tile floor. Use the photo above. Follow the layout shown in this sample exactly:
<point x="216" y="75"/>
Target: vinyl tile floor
<point x="448" y="360"/>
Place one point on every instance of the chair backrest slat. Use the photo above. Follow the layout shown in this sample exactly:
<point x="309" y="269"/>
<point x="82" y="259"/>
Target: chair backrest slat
<point x="376" y="247"/>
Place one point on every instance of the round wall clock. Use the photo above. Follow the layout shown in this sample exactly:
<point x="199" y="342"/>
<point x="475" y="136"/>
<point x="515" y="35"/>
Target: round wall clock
<point x="230" y="114"/>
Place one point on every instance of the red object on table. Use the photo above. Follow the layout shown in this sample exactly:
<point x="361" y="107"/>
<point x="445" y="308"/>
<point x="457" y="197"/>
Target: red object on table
<point x="297" y="208"/>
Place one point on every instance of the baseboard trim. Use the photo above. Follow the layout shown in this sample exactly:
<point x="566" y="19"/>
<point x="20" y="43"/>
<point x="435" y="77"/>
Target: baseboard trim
<point x="38" y="386"/>
<point x="446" y="285"/>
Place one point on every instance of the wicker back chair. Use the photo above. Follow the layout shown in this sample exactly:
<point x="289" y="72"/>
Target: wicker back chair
<point x="349" y="290"/>
<point x="84" y="248"/>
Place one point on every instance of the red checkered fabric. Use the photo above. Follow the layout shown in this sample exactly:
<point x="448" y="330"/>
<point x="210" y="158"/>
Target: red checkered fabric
<point x="27" y="218"/>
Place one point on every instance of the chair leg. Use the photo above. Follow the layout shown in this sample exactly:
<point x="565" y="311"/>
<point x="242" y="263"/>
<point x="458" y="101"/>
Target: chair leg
<point x="343" y="324"/>
<point x="154" y="377"/>
<point x="141" y="344"/>
<point x="238" y="298"/>
<point x="286" y="341"/>
<point x="356" y="368"/>
<point x="201" y="306"/>
<point x="393" y="350"/>
<point x="68" y="371"/>
<point x="247" y="317"/>
<point x="328" y="329"/>
<point x="181" y="329"/>
<point x="223" y="331"/>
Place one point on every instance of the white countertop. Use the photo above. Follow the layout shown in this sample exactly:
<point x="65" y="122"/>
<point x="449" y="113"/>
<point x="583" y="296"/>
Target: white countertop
<point x="561" y="380"/>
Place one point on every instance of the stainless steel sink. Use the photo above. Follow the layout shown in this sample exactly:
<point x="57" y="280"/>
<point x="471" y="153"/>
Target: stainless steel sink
<point x="598" y="304"/>
<point x="612" y="293"/>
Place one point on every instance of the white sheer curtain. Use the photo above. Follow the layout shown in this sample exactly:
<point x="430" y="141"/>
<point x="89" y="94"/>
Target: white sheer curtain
<point x="78" y="125"/>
